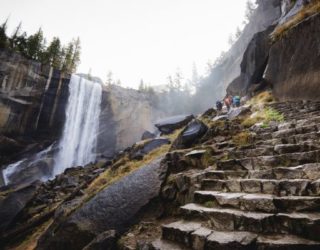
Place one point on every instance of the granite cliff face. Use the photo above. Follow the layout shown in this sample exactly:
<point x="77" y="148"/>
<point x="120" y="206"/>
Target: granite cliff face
<point x="125" y="115"/>
<point x="32" y="97"/>
<point x="294" y="65"/>
<point x="284" y="57"/>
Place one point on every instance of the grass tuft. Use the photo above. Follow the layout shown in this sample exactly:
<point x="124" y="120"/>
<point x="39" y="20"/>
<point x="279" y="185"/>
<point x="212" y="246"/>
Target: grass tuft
<point x="307" y="11"/>
<point x="243" y="138"/>
<point x="265" y="116"/>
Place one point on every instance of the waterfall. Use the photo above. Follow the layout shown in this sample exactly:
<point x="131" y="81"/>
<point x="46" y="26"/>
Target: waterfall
<point x="78" y="143"/>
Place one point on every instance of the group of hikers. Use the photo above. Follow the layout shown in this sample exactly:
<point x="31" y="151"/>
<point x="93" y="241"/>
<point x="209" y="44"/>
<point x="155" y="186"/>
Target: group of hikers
<point x="229" y="101"/>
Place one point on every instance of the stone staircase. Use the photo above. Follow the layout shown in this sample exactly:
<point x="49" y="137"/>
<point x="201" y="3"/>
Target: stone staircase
<point x="265" y="197"/>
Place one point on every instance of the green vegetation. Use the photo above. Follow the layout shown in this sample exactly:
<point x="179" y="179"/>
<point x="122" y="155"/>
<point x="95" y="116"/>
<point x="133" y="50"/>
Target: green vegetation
<point x="209" y="204"/>
<point x="243" y="138"/>
<point x="307" y="11"/>
<point x="262" y="98"/>
<point x="65" y="58"/>
<point x="265" y="115"/>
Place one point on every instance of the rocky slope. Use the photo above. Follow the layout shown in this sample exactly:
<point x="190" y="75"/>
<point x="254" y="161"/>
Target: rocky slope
<point x="231" y="185"/>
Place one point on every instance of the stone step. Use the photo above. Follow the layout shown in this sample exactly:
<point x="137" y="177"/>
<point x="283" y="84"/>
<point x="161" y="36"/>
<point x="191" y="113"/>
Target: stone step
<point x="285" y="242"/>
<point x="258" y="202"/>
<point x="272" y="150"/>
<point x="226" y="175"/>
<point x="284" y="187"/>
<point x="306" y="225"/>
<point x="309" y="171"/>
<point x="294" y="131"/>
<point x="161" y="244"/>
<point x="204" y="238"/>
<point x="242" y="153"/>
<point x="268" y="162"/>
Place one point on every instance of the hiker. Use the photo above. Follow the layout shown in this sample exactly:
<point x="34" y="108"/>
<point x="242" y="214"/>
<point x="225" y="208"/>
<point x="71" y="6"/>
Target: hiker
<point x="236" y="101"/>
<point x="219" y="105"/>
<point x="228" y="102"/>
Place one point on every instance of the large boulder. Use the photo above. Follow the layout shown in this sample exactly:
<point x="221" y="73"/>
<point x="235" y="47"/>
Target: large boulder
<point x="294" y="62"/>
<point x="190" y="135"/>
<point x="114" y="208"/>
<point x="144" y="148"/>
<point x="105" y="241"/>
<point x="238" y="112"/>
<point x="14" y="202"/>
<point x="253" y="64"/>
<point x="168" y="125"/>
<point x="147" y="135"/>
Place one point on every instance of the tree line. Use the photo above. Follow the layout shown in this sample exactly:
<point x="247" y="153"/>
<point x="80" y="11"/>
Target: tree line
<point x="63" y="57"/>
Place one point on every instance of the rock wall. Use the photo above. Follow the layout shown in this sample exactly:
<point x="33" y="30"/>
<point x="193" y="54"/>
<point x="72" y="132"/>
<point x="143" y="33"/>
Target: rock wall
<point x="32" y="97"/>
<point x="294" y="64"/>
<point x="125" y="115"/>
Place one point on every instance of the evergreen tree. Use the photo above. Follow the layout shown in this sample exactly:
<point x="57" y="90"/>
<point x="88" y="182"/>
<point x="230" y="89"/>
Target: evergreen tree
<point x="109" y="78"/>
<point x="35" y="45"/>
<point x="76" y="55"/>
<point x="21" y="43"/>
<point x="141" y="85"/>
<point x="54" y="53"/>
<point x="170" y="84"/>
<point x="3" y="34"/>
<point x="13" y="39"/>
<point x="68" y="57"/>
<point x="178" y="80"/>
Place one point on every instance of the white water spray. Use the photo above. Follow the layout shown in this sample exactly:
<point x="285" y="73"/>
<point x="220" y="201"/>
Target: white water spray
<point x="77" y="146"/>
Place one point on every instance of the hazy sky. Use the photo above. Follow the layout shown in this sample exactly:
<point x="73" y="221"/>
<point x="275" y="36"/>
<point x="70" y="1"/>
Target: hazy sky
<point x="134" y="39"/>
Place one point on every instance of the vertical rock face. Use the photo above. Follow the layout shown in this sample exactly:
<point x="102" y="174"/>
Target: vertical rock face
<point x="253" y="64"/>
<point x="294" y="63"/>
<point x="32" y="96"/>
<point x="125" y="115"/>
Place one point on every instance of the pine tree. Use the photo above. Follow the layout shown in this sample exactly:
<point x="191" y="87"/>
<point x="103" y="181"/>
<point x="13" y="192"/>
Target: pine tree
<point x="54" y="53"/>
<point x="141" y="85"/>
<point x="35" y="45"/>
<point x="109" y="78"/>
<point x="3" y="34"/>
<point x="76" y="55"/>
<point x="178" y="80"/>
<point x="13" y="39"/>
<point x="68" y="57"/>
<point x="170" y="84"/>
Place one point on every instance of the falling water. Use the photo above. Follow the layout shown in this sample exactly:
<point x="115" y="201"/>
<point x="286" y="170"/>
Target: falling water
<point x="77" y="146"/>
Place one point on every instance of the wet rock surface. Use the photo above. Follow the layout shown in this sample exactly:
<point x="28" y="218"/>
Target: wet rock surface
<point x="139" y="151"/>
<point x="253" y="64"/>
<point x="170" y="124"/>
<point x="115" y="207"/>
<point x="104" y="241"/>
<point x="14" y="203"/>
<point x="294" y="64"/>
<point x="147" y="135"/>
<point x="192" y="133"/>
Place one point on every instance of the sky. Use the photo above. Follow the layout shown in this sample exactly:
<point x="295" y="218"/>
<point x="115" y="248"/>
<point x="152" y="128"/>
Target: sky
<point x="134" y="39"/>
